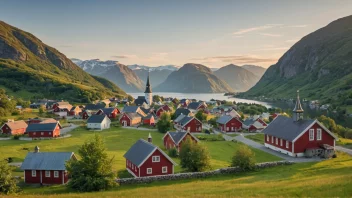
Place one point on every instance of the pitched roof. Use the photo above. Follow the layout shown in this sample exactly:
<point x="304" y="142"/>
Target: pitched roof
<point x="286" y="128"/>
<point x="41" y="127"/>
<point x="224" y="119"/>
<point x="177" y="137"/>
<point x="20" y="124"/>
<point x="141" y="150"/>
<point x="94" y="106"/>
<point x="183" y="111"/>
<point x="46" y="160"/>
<point x="96" y="119"/>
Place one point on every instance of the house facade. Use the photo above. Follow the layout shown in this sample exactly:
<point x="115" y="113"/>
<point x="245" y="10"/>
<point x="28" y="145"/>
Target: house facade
<point x="14" y="127"/>
<point x="229" y="124"/>
<point x="175" y="139"/>
<point x="98" y="122"/>
<point x="44" y="130"/>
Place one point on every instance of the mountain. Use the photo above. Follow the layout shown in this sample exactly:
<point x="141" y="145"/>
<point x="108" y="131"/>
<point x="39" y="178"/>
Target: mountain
<point x="237" y="77"/>
<point x="31" y="69"/>
<point x="257" y="70"/>
<point x="193" y="78"/>
<point x="114" y="71"/>
<point x="163" y="67"/>
<point x="319" y="65"/>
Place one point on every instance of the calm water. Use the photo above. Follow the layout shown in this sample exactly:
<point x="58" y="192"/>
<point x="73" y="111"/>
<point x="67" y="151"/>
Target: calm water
<point x="203" y="97"/>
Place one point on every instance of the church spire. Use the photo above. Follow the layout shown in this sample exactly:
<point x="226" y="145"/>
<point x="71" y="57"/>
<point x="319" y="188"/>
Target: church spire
<point x="148" y="88"/>
<point x="298" y="110"/>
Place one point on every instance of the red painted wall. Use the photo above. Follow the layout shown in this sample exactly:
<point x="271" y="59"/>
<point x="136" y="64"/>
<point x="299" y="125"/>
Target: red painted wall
<point x="278" y="145"/>
<point x="156" y="166"/>
<point x="303" y="142"/>
<point x="45" y="180"/>
<point x="5" y="129"/>
<point x="194" y="125"/>
<point x="132" y="167"/>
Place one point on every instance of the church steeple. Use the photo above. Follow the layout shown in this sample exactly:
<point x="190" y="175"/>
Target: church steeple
<point x="298" y="110"/>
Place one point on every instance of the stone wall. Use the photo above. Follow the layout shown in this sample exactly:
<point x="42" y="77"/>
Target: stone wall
<point x="192" y="175"/>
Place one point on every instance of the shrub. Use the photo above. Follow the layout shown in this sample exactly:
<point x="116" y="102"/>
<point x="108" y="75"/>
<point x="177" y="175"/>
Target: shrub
<point x="172" y="152"/>
<point x="194" y="157"/>
<point x="244" y="158"/>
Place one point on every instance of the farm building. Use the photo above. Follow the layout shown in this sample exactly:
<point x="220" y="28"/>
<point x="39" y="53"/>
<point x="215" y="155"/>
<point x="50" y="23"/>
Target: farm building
<point x="175" y="139"/>
<point x="98" y="122"/>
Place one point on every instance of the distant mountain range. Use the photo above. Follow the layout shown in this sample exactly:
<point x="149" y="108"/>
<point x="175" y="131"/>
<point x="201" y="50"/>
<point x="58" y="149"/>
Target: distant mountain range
<point x="31" y="69"/>
<point x="319" y="65"/>
<point x="114" y="71"/>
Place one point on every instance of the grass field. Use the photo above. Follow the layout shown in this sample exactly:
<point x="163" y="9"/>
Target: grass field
<point x="118" y="141"/>
<point x="330" y="178"/>
<point x="257" y="137"/>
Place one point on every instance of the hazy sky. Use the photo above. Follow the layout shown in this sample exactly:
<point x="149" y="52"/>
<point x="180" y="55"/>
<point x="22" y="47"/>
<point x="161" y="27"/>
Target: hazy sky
<point x="158" y="32"/>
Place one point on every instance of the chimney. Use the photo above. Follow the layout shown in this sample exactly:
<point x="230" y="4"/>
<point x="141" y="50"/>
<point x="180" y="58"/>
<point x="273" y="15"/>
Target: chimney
<point x="36" y="149"/>
<point x="150" y="139"/>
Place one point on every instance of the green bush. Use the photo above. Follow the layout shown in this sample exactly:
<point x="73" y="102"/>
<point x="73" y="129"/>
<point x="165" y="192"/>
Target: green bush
<point x="172" y="152"/>
<point x="244" y="158"/>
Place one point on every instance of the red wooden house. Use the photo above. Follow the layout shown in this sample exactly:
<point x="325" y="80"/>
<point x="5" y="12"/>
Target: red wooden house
<point x="145" y="159"/>
<point x="14" y="127"/>
<point x="229" y="124"/>
<point x="149" y="120"/>
<point x="162" y="109"/>
<point x="190" y="124"/>
<point x="175" y="139"/>
<point x="46" y="167"/>
<point x="111" y="112"/>
<point x="44" y="130"/>
<point x="298" y="137"/>
<point x="130" y="119"/>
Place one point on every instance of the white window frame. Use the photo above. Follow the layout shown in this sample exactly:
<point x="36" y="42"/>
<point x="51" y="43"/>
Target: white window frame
<point x="311" y="134"/>
<point x="267" y="138"/>
<point x="34" y="173"/>
<point x="319" y="134"/>
<point x="277" y="141"/>
<point x="281" y="142"/>
<point x="149" y="171"/>
<point x="164" y="169"/>
<point x="47" y="173"/>
<point x="156" y="158"/>
<point x="56" y="174"/>
<point x="287" y="144"/>
<point x="272" y="139"/>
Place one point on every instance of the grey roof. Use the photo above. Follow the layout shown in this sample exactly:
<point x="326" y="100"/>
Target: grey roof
<point x="133" y="116"/>
<point x="286" y="128"/>
<point x="96" y="118"/>
<point x="185" y="120"/>
<point x="46" y="161"/>
<point x="41" y="127"/>
<point x="94" y="106"/>
<point x="177" y="136"/>
<point x="183" y="111"/>
<point x="224" y="119"/>
<point x="179" y="118"/>
<point x="194" y="105"/>
<point x="108" y="110"/>
<point x="130" y="109"/>
<point x="139" y="151"/>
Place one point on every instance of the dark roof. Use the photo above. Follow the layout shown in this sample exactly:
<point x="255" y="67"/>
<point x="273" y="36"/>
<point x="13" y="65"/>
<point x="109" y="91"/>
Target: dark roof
<point x="130" y="109"/>
<point x="108" y="110"/>
<point x="148" y="87"/>
<point x="41" y="127"/>
<point x="140" y="100"/>
<point x="194" y="105"/>
<point x="46" y="161"/>
<point x="94" y="106"/>
<point x="96" y="119"/>
<point x="185" y="120"/>
<point x="133" y="116"/>
<point x="139" y="151"/>
<point x="224" y="119"/>
<point x="183" y="111"/>
<point x="286" y="128"/>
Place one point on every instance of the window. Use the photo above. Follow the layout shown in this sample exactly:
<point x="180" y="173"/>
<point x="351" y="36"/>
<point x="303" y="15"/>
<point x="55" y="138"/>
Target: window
<point x="276" y="141"/>
<point x="267" y="138"/>
<point x="318" y="134"/>
<point x="164" y="169"/>
<point x="272" y="139"/>
<point x="56" y="174"/>
<point x="47" y="173"/>
<point x="156" y="159"/>
<point x="34" y="173"/>
<point x="311" y="134"/>
<point x="280" y="142"/>
<point x="287" y="144"/>
<point x="149" y="171"/>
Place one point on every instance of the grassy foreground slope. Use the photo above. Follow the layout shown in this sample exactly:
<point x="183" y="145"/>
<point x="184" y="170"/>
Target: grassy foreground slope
<point x="330" y="178"/>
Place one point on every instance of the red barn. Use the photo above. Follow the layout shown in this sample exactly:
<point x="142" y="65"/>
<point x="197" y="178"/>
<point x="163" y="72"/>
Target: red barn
<point x="190" y="124"/>
<point x="229" y="124"/>
<point x="46" y="167"/>
<point x="44" y="130"/>
<point x="14" y="127"/>
<point x="299" y="137"/>
<point x="162" y="109"/>
<point x="144" y="159"/>
<point x="149" y="120"/>
<point x="111" y="112"/>
<point x="175" y="139"/>
<point x="130" y="119"/>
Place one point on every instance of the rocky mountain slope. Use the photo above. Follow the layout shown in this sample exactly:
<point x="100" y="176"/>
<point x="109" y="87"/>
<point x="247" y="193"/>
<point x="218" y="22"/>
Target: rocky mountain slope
<point x="257" y="70"/>
<point x="237" y="77"/>
<point x="320" y="65"/>
<point x="193" y="78"/>
<point x="114" y="71"/>
<point x="29" y="68"/>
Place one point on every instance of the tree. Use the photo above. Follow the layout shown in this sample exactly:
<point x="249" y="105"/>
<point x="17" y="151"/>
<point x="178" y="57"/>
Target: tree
<point x="164" y="124"/>
<point x="244" y="158"/>
<point x="8" y="184"/>
<point x="194" y="156"/>
<point x="201" y="116"/>
<point x="94" y="171"/>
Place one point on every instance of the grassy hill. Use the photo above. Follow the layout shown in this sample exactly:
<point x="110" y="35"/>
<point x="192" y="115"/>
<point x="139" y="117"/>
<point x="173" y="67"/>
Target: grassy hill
<point x="31" y="69"/>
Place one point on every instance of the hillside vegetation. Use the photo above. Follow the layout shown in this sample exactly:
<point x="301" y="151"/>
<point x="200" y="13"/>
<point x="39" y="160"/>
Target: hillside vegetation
<point x="31" y="69"/>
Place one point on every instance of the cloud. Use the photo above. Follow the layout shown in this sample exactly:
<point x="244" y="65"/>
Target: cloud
<point x="237" y="59"/>
<point x="297" y="26"/>
<point x="270" y="35"/>
<point x="124" y="56"/>
<point x="252" y="29"/>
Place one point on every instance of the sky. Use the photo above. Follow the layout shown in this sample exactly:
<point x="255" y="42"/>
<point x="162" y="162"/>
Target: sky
<point x="164" y="32"/>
